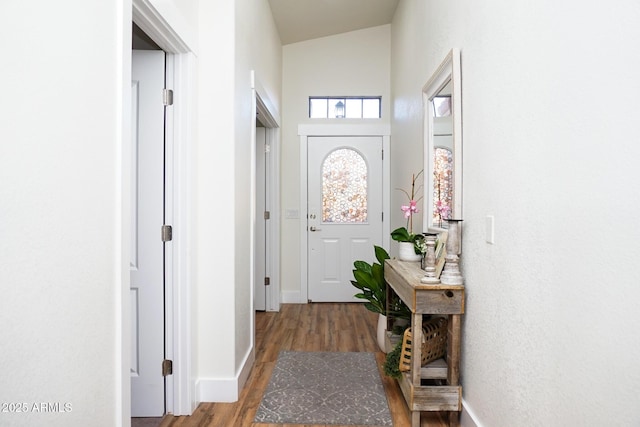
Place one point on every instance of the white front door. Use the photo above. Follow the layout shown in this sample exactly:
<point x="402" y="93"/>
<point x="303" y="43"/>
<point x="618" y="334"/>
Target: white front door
<point x="147" y="248"/>
<point x="344" y="212"/>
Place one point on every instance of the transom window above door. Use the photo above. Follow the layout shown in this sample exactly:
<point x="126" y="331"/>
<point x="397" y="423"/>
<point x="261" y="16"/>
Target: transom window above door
<point x="345" y="107"/>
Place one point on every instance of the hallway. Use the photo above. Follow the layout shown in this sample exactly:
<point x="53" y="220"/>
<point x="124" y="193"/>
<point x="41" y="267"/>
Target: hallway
<point x="301" y="327"/>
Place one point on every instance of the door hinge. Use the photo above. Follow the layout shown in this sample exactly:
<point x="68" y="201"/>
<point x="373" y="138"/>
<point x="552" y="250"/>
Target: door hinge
<point x="167" y="233"/>
<point x="382" y="154"/>
<point x="167" y="367"/>
<point x="267" y="148"/>
<point x="267" y="281"/>
<point x="382" y="215"/>
<point x="167" y="96"/>
<point x="267" y="215"/>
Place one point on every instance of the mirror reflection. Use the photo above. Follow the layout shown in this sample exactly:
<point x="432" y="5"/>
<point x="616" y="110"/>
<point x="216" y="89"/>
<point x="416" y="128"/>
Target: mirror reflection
<point x="442" y="144"/>
<point x="442" y="153"/>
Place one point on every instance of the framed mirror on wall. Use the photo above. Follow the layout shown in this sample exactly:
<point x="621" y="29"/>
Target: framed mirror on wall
<point x="442" y="106"/>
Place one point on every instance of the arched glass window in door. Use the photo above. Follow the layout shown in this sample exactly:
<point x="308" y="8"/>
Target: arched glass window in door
<point x="344" y="187"/>
<point x="443" y="185"/>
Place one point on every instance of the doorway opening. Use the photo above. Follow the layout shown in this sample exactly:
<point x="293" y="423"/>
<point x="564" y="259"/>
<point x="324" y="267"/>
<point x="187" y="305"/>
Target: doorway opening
<point x="345" y="211"/>
<point x="266" y="246"/>
<point x="154" y="32"/>
<point x="307" y="131"/>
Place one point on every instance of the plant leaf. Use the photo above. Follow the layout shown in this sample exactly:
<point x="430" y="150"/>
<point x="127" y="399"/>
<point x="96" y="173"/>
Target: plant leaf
<point x="356" y="284"/>
<point x="401" y="235"/>
<point x="376" y="309"/>
<point x="381" y="254"/>
<point x="362" y="266"/>
<point x="364" y="279"/>
<point x="378" y="276"/>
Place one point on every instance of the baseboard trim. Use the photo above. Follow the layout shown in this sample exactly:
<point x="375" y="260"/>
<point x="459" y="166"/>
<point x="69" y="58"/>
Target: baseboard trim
<point x="292" y="297"/>
<point x="247" y="366"/>
<point x="225" y="390"/>
<point x="468" y="418"/>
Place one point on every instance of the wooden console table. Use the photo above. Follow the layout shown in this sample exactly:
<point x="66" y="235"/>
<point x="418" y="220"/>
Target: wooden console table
<point x="418" y="385"/>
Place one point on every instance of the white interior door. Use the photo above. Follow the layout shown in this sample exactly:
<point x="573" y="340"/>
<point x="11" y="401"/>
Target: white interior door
<point x="147" y="250"/>
<point x="261" y="237"/>
<point x="344" y="212"/>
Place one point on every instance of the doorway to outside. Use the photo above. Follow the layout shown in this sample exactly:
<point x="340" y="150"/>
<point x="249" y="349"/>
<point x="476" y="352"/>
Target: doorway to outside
<point x="344" y="181"/>
<point x="342" y="205"/>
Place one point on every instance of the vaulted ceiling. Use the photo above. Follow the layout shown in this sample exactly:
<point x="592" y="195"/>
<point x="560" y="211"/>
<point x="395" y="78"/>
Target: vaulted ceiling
<point x="300" y="20"/>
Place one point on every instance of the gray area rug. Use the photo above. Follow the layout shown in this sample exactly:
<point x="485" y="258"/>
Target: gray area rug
<point x="325" y="388"/>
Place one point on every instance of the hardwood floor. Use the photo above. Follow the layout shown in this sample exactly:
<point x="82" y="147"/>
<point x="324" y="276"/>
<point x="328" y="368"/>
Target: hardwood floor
<point x="302" y="327"/>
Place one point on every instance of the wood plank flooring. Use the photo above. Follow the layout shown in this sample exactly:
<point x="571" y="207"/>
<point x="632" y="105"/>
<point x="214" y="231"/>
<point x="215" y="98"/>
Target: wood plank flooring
<point x="302" y="327"/>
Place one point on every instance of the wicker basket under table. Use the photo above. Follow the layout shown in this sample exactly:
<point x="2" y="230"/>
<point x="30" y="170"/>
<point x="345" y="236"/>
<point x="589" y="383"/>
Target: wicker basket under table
<point x="434" y="343"/>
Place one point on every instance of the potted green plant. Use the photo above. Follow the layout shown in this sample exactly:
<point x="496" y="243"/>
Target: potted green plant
<point x="391" y="366"/>
<point x="369" y="279"/>
<point x="409" y="249"/>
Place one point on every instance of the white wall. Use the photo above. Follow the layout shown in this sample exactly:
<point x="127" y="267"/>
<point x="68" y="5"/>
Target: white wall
<point x="550" y="108"/>
<point x="258" y="48"/>
<point x="63" y="216"/>
<point x="354" y="63"/>
<point x="61" y="261"/>
<point x="235" y="38"/>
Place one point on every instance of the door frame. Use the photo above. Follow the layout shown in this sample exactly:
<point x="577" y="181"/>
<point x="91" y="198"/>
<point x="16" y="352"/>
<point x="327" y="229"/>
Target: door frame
<point x="180" y="76"/>
<point x="304" y="132"/>
<point x="271" y="120"/>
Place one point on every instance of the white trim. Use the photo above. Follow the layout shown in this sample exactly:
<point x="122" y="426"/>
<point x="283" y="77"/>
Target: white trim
<point x="252" y="222"/>
<point x="122" y="214"/>
<point x="225" y="389"/>
<point x="306" y="130"/>
<point x="271" y="118"/>
<point x="170" y="211"/>
<point x="369" y="129"/>
<point x="268" y="109"/>
<point x="155" y="25"/>
<point x="448" y="71"/>
<point x="292" y="297"/>
<point x="304" y="265"/>
<point x="273" y="292"/>
<point x="386" y="191"/>
<point x="180" y="76"/>
<point x="179" y="329"/>
<point x="468" y="417"/>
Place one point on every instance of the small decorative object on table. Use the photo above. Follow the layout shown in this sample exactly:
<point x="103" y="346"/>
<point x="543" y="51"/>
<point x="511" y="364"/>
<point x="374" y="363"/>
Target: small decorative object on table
<point x="408" y="250"/>
<point x="434" y="343"/>
<point x="451" y="273"/>
<point x="429" y="245"/>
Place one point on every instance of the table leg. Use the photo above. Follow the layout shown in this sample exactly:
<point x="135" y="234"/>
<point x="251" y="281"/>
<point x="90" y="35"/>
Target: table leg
<point x="454" y="419"/>
<point x="453" y="349"/>
<point x="415" y="419"/>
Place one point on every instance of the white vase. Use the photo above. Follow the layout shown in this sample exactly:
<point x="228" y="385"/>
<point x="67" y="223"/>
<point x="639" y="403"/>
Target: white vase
<point x="382" y="332"/>
<point x="406" y="252"/>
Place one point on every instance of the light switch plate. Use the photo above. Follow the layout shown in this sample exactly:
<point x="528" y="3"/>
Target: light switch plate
<point x="489" y="229"/>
